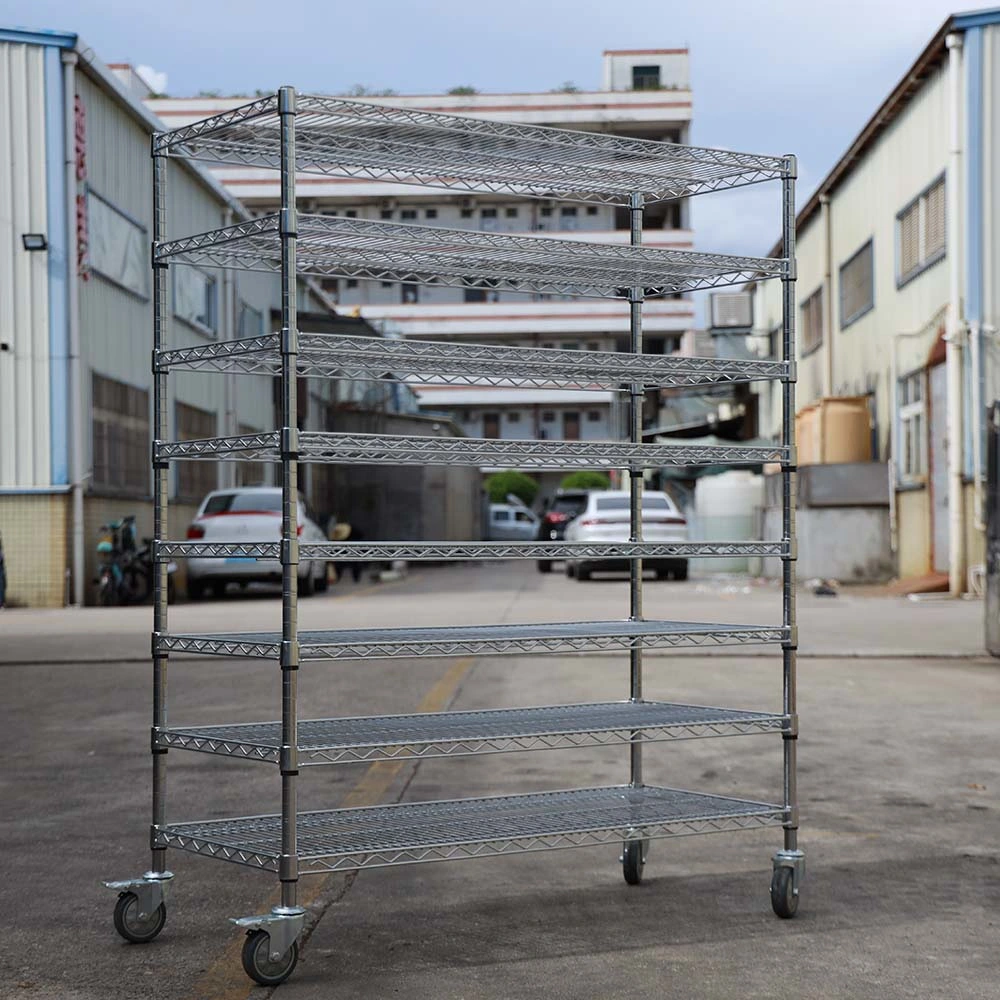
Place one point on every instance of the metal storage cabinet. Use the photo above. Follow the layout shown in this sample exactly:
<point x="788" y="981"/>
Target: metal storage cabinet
<point x="299" y="133"/>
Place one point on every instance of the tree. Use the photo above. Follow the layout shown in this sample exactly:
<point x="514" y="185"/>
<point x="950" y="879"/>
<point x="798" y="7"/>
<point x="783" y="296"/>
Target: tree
<point x="511" y="481"/>
<point x="568" y="87"/>
<point x="585" y="481"/>
<point x="463" y="91"/>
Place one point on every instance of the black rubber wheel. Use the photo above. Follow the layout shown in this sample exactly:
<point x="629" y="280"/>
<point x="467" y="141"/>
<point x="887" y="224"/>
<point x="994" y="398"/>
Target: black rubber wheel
<point x="681" y="573"/>
<point x="106" y="595"/>
<point x="257" y="962"/>
<point x="784" y="900"/>
<point x="218" y="589"/>
<point x="544" y="566"/>
<point x="570" y="571"/>
<point x="323" y="580"/>
<point x="307" y="584"/>
<point x="195" y="590"/>
<point x="663" y="574"/>
<point x="633" y="860"/>
<point x="582" y="574"/>
<point x="129" y="924"/>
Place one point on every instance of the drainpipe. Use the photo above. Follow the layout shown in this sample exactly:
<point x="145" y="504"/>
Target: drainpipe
<point x="955" y="331"/>
<point x="824" y="201"/>
<point x="75" y="393"/>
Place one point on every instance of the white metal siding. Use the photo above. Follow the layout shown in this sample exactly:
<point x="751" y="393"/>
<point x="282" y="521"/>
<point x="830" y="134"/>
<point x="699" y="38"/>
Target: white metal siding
<point x="24" y="313"/>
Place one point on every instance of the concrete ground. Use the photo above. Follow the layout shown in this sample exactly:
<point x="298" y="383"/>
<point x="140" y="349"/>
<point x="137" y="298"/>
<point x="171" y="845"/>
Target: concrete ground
<point x="900" y="767"/>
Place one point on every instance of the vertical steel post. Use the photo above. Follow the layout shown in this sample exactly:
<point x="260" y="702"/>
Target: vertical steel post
<point x="636" y="393"/>
<point x="289" y="864"/>
<point x="789" y="487"/>
<point x="161" y="473"/>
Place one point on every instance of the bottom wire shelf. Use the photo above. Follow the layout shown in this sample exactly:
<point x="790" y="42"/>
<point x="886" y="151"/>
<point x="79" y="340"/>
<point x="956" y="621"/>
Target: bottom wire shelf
<point x="408" y="833"/>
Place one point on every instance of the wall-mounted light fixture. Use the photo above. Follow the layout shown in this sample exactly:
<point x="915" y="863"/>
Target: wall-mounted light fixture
<point x="34" y="241"/>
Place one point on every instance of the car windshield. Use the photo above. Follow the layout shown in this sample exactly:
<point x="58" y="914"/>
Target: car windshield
<point x="243" y="503"/>
<point x="622" y="503"/>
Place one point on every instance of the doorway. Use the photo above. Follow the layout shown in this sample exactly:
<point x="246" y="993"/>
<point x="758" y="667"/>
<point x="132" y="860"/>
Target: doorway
<point x="940" y="541"/>
<point x="571" y="425"/>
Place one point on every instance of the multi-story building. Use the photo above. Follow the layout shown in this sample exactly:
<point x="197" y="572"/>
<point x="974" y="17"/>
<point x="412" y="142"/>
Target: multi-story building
<point x="644" y="94"/>
<point x="898" y="271"/>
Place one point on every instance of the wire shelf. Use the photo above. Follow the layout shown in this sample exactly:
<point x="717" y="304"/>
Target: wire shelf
<point x="333" y="356"/>
<point x="455" y="734"/>
<point x="343" y="138"/>
<point x="370" y="449"/>
<point x="410" y="833"/>
<point x="471" y="640"/>
<point x="335" y="247"/>
<point x="389" y="551"/>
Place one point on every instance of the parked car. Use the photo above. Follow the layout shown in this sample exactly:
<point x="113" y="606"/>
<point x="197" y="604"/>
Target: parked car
<point x="510" y="522"/>
<point x="248" y="514"/>
<point x="606" y="519"/>
<point x="558" y="514"/>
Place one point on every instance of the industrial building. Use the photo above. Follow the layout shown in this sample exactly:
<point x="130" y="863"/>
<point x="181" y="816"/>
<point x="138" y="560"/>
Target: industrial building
<point x="898" y="271"/>
<point x="75" y="332"/>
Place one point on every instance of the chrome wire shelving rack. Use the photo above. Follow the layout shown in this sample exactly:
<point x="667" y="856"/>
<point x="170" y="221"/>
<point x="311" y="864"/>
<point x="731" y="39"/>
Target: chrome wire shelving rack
<point x="300" y="133"/>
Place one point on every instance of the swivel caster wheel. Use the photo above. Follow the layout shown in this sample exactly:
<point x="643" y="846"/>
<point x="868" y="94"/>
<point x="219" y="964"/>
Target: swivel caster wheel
<point x="260" y="966"/>
<point x="784" y="897"/>
<point x="633" y="860"/>
<point x="135" y="926"/>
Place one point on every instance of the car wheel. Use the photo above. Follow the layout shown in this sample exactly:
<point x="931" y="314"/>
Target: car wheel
<point x="570" y="570"/>
<point x="323" y="580"/>
<point x="582" y="573"/>
<point x="544" y="566"/>
<point x="681" y="571"/>
<point x="195" y="590"/>
<point x="218" y="588"/>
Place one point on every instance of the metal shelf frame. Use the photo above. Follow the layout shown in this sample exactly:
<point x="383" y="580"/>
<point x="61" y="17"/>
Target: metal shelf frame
<point x="333" y="356"/>
<point x="330" y="136"/>
<point x="345" y="138"/>
<point x="458" y="734"/>
<point x="334" y="247"/>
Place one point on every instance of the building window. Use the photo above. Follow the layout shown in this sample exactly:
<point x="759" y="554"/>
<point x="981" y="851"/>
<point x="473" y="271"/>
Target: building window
<point x="920" y="232"/>
<point x="195" y="479"/>
<point x="196" y="299"/>
<point x="350" y="213"/>
<point x="251" y="322"/>
<point x="593" y="345"/>
<point x="386" y="213"/>
<point x="812" y="322"/>
<point x="510" y="213"/>
<point x="387" y="284"/>
<point x="120" y="436"/>
<point x="645" y="77"/>
<point x="411" y="293"/>
<point x="857" y="285"/>
<point x="351" y="282"/>
<point x="548" y="417"/>
<point x="430" y="213"/>
<point x="912" y="458"/>
<point x="466" y="213"/>
<point x="408" y="214"/>
<point x="591" y="210"/>
<point x="513" y="417"/>
<point x="488" y="219"/>
<point x="474" y="294"/>
<point x="545" y="212"/>
<point x="254" y="473"/>
<point x="118" y="247"/>
<point x="593" y="416"/>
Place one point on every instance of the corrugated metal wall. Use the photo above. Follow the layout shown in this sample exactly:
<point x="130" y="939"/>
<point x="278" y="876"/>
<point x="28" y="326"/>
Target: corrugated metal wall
<point x="24" y="313"/>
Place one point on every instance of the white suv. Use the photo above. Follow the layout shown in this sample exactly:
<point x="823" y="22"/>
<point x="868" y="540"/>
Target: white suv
<point x="248" y="514"/>
<point x="606" y="519"/>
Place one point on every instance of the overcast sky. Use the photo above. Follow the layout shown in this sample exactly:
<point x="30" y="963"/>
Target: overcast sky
<point x="774" y="76"/>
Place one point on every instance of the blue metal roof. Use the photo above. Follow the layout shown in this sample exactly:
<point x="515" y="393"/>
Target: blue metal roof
<point x="42" y="36"/>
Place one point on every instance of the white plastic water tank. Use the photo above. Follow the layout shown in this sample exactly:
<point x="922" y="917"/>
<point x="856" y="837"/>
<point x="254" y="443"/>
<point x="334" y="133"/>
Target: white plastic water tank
<point x="726" y="508"/>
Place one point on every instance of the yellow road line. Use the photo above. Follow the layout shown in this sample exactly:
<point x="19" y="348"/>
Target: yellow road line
<point x="224" y="979"/>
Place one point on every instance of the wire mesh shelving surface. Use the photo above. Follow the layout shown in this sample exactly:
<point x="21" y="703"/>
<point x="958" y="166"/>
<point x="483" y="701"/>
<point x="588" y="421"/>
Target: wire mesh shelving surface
<point x="339" y="839"/>
<point x="470" y="640"/>
<point x="388" y="551"/>
<point x="333" y="356"/>
<point x="372" y="449"/>
<point x="328" y="246"/>
<point x="455" y="734"/>
<point x="343" y="138"/>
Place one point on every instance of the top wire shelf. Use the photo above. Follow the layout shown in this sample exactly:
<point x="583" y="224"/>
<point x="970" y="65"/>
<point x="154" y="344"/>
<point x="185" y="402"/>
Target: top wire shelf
<point x="341" y="138"/>
<point x="330" y="246"/>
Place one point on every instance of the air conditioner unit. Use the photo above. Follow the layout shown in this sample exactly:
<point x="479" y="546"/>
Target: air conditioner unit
<point x="732" y="311"/>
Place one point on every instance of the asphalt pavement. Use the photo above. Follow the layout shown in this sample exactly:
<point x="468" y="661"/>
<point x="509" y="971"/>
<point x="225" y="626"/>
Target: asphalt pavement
<point x="900" y="767"/>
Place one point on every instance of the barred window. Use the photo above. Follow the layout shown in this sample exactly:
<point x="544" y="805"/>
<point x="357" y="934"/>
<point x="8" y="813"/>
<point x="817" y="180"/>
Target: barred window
<point x="912" y="458"/>
<point x="857" y="285"/>
<point x="121" y="441"/>
<point x="921" y="233"/>
<point x="812" y="321"/>
<point x="195" y="479"/>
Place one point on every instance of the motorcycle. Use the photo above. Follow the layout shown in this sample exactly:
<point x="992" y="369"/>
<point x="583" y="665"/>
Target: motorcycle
<point x="125" y="572"/>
